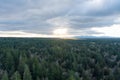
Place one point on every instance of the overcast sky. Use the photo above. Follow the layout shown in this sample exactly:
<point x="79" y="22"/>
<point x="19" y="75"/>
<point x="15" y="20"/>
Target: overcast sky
<point x="42" y="17"/>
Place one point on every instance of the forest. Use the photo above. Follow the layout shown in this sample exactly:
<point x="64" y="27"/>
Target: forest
<point x="59" y="59"/>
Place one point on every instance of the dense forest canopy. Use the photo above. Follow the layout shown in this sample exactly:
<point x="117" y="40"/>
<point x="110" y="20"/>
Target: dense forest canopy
<point x="59" y="59"/>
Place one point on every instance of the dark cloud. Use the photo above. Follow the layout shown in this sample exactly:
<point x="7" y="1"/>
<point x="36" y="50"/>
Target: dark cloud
<point x="43" y="16"/>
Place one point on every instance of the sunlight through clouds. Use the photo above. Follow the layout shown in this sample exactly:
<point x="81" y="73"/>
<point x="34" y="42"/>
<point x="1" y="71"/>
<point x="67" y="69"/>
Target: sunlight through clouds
<point x="42" y="18"/>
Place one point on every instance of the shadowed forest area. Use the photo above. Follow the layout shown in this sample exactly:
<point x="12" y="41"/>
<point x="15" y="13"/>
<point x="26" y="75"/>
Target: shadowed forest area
<point x="59" y="59"/>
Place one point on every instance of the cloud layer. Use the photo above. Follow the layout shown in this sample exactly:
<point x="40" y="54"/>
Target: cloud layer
<point x="43" y="16"/>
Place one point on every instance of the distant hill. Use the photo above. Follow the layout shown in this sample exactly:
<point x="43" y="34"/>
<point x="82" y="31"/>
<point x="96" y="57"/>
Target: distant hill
<point x="93" y="37"/>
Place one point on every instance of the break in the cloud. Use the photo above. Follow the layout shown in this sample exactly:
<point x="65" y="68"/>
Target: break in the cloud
<point x="43" y="17"/>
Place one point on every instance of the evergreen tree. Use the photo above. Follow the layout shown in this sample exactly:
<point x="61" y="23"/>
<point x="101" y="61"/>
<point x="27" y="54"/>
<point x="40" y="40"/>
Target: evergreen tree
<point x="27" y="74"/>
<point x="5" y="76"/>
<point x="9" y="62"/>
<point x="16" y="76"/>
<point x="35" y="67"/>
<point x="21" y="65"/>
<point x="38" y="78"/>
<point x="71" y="77"/>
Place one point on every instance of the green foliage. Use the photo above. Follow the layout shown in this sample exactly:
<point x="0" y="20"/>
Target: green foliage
<point x="71" y="76"/>
<point x="16" y="76"/>
<point x="21" y="65"/>
<point x="5" y="76"/>
<point x="59" y="59"/>
<point x="27" y="74"/>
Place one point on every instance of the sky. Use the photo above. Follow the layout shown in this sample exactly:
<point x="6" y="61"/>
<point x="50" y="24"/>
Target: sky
<point x="59" y="18"/>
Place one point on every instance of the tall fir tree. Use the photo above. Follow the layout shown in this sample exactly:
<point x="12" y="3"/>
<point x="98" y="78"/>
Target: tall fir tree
<point x="5" y="76"/>
<point x="16" y="76"/>
<point x="35" y="67"/>
<point x="27" y="74"/>
<point x="22" y="61"/>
